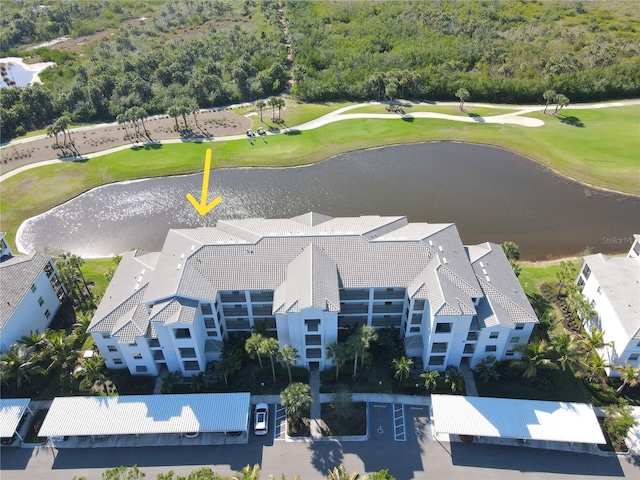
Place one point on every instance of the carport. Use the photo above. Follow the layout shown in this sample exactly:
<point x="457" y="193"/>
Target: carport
<point x="11" y="412"/>
<point x="516" y="419"/>
<point x="147" y="414"/>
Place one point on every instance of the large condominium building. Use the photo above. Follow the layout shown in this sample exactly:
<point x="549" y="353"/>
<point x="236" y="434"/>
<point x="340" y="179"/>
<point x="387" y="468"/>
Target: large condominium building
<point x="304" y="279"/>
<point x="612" y="286"/>
<point x="31" y="294"/>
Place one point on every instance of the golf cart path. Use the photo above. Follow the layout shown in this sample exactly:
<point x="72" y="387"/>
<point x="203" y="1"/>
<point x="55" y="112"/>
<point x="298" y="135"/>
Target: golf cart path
<point x="512" y="118"/>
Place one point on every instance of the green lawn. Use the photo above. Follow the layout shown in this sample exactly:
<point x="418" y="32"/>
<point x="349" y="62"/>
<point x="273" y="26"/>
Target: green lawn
<point x="603" y="152"/>
<point x="448" y="109"/>
<point x="94" y="269"/>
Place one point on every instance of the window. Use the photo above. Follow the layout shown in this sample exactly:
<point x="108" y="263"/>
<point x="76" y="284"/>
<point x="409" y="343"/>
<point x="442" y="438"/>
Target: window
<point x="117" y="361"/>
<point x="414" y="329"/>
<point x="212" y="333"/>
<point x="469" y="348"/>
<point x="586" y="271"/>
<point x="314" y="353"/>
<point x="443" y="327"/>
<point x="312" y="325"/>
<point x="106" y="335"/>
<point x="141" y="369"/>
<point x="48" y="269"/>
<point x="472" y="336"/>
<point x="634" y="356"/>
<point x="33" y="288"/>
<point x="187" y="352"/>
<point x="40" y="301"/>
<point x="490" y="348"/>
<point x="191" y="365"/>
<point x="182" y="333"/>
<point x="636" y="248"/>
<point x="133" y="344"/>
<point x="47" y="314"/>
<point x="509" y="353"/>
<point x="494" y="334"/>
<point x="519" y="326"/>
<point x="580" y="282"/>
<point x="638" y="344"/>
<point x="312" y="339"/>
<point x="436" y="360"/>
<point x="209" y="323"/>
<point x="112" y="348"/>
<point x="416" y="319"/>
<point x="515" y="340"/>
<point x="206" y="309"/>
<point x="137" y="356"/>
<point x="419" y="305"/>
<point x="439" y="347"/>
<point x="599" y="291"/>
<point x="154" y="343"/>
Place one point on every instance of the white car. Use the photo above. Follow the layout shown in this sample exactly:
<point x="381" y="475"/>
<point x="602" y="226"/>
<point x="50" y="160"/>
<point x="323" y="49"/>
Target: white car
<point x="261" y="426"/>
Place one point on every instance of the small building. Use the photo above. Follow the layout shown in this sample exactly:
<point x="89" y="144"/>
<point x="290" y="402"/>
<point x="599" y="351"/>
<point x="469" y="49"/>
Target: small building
<point x="612" y="286"/>
<point x="31" y="294"/>
<point x="305" y="279"/>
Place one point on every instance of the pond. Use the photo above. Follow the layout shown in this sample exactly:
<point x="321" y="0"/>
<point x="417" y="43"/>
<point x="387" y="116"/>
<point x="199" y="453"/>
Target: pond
<point x="15" y="73"/>
<point x="489" y="193"/>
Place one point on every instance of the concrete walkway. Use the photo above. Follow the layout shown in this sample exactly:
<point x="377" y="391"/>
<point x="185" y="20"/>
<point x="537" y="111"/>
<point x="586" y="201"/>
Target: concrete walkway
<point x="316" y="403"/>
<point x="469" y="381"/>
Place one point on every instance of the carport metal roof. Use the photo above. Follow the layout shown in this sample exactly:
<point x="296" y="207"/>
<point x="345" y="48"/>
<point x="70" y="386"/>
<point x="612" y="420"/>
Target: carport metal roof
<point x="522" y="419"/>
<point x="143" y="414"/>
<point x="11" y="411"/>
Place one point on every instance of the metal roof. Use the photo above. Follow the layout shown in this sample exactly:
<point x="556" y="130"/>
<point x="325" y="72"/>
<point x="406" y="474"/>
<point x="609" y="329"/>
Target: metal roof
<point x="522" y="419"/>
<point x="11" y="411"/>
<point x="146" y="414"/>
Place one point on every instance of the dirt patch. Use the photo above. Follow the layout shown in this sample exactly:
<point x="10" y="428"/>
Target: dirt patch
<point x="94" y="139"/>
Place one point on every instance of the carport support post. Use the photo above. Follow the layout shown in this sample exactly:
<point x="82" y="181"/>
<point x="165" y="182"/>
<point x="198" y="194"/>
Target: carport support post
<point x="431" y="428"/>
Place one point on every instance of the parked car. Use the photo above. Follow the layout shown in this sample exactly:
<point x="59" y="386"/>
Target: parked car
<point x="261" y="426"/>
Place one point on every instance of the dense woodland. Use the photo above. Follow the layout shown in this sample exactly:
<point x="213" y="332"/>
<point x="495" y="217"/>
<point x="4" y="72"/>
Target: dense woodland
<point x="202" y="53"/>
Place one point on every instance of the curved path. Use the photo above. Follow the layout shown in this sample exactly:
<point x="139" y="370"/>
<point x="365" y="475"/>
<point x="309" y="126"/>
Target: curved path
<point x="512" y="118"/>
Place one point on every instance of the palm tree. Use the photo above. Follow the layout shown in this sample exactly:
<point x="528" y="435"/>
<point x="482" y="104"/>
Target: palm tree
<point x="198" y="383"/>
<point x="94" y="372"/>
<point x="228" y="364"/>
<point x="561" y="102"/>
<point x="169" y="382"/>
<point x="260" y="104"/>
<point x="273" y="103"/>
<point x="280" y="104"/>
<point x="630" y="376"/>
<point x="430" y="379"/>
<point x="35" y="342"/>
<point x="376" y="80"/>
<point x="402" y="367"/>
<point x="568" y="350"/>
<point x="340" y="473"/>
<point x="368" y="335"/>
<point x="549" y="96"/>
<point x="289" y="356"/>
<point x="61" y="352"/>
<point x="53" y="130"/>
<point x="122" y="119"/>
<point x="63" y="126"/>
<point x="270" y="347"/>
<point x="17" y="366"/>
<point x="174" y="111"/>
<point x="252" y="346"/>
<point x="596" y="365"/>
<point x="248" y="473"/>
<point x="511" y="250"/>
<point x="297" y="398"/>
<point x="338" y="354"/>
<point x="455" y="379"/>
<point x="141" y="114"/>
<point x="83" y="320"/>
<point x="593" y="340"/>
<point x="463" y="95"/>
<point x="535" y="356"/>
<point x="356" y="347"/>
<point x="486" y="369"/>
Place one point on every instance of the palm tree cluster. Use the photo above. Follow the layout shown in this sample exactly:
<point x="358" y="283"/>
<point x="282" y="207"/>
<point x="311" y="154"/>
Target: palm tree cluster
<point x="61" y="125"/>
<point x="27" y="364"/>
<point x="550" y="96"/>
<point x="355" y="348"/>
<point x="393" y="84"/>
<point x="134" y="115"/>
<point x="69" y="270"/>
<point x="258" y="344"/>
<point x="577" y="308"/>
<point x="274" y="102"/>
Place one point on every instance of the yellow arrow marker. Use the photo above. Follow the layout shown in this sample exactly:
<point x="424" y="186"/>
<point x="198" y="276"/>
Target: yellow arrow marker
<point x="202" y="206"/>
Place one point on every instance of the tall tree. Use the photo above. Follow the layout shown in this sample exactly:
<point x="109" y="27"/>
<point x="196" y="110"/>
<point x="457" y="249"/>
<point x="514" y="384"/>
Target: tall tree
<point x="455" y="379"/>
<point x="568" y="350"/>
<point x="630" y="376"/>
<point x="18" y="367"/>
<point x="368" y="335"/>
<point x="463" y="95"/>
<point x="511" y="250"/>
<point x="549" y="96"/>
<point x="297" y="398"/>
<point x="248" y="473"/>
<point x="593" y="340"/>
<point x="94" y="373"/>
<point x="253" y="346"/>
<point x="340" y="473"/>
<point x="561" y="102"/>
<point x="338" y="353"/>
<point x="269" y="347"/>
<point x="289" y="356"/>
<point x="535" y="356"/>
<point x="273" y="103"/>
<point x="430" y="379"/>
<point x="174" y="111"/>
<point x="260" y="104"/>
<point x="402" y="368"/>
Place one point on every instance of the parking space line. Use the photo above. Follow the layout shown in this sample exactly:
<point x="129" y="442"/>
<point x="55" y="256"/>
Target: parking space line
<point x="280" y="423"/>
<point x="398" y="423"/>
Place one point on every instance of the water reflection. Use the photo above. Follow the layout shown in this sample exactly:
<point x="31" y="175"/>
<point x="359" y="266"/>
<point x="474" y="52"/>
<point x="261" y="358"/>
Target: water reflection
<point x="491" y="194"/>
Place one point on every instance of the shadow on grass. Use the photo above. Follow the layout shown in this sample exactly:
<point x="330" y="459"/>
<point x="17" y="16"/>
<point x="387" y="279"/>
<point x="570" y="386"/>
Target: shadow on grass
<point x="476" y="117"/>
<point x="573" y="121"/>
<point x="407" y="118"/>
<point x="147" y="146"/>
<point x="293" y="131"/>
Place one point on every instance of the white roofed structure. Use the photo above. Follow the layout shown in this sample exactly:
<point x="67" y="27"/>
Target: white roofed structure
<point x="11" y="412"/>
<point x="147" y="414"/>
<point x="516" y="419"/>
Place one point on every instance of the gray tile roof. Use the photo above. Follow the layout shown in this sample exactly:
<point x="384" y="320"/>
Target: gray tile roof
<point x="306" y="259"/>
<point x="17" y="274"/>
<point x="179" y="310"/>
<point x="619" y="280"/>
<point x="312" y="281"/>
<point x="504" y="296"/>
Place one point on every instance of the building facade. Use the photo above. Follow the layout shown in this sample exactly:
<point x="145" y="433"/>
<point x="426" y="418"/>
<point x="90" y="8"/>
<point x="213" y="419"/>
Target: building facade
<point x="31" y="294"/>
<point x="612" y="286"/>
<point x="304" y="279"/>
